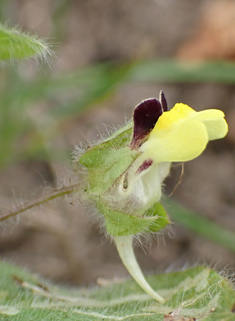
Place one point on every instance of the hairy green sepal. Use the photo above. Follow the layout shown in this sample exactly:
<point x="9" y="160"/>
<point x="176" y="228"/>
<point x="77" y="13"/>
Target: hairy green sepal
<point x="105" y="164"/>
<point x="121" y="224"/>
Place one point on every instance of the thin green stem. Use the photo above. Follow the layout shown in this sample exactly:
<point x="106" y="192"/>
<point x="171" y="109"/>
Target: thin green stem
<point x="50" y="196"/>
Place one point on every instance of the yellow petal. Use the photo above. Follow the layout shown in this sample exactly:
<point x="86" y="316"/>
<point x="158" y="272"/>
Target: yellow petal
<point x="184" y="110"/>
<point x="214" y="121"/>
<point x="178" y="113"/>
<point x="182" y="142"/>
<point x="182" y="134"/>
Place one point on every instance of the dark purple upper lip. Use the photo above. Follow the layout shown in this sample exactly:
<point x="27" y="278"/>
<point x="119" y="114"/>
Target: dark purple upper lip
<point x="145" y="116"/>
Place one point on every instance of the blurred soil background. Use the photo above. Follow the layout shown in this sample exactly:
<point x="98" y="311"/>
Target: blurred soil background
<point x="92" y="84"/>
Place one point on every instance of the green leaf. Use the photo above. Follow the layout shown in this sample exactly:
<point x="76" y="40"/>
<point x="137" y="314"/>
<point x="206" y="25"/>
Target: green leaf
<point x="199" y="293"/>
<point x="15" y="44"/>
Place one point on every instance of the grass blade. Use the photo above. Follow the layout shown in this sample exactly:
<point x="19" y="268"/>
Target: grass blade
<point x="201" y="225"/>
<point x="173" y="71"/>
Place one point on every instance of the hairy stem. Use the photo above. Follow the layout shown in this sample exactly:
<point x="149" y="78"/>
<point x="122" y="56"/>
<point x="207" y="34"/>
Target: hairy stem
<point x="50" y="196"/>
<point x="127" y="255"/>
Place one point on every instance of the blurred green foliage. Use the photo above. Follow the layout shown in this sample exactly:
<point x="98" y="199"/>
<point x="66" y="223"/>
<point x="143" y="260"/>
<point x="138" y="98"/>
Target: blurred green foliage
<point x="19" y="97"/>
<point x="201" y="225"/>
<point x="172" y="71"/>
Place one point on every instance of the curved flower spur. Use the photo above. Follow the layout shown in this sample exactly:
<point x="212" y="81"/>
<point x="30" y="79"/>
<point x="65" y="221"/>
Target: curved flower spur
<point x="125" y="172"/>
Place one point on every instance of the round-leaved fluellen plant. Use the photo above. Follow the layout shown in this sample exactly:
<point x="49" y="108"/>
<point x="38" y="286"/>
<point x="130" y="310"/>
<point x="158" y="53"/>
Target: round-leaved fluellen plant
<point x="124" y="173"/>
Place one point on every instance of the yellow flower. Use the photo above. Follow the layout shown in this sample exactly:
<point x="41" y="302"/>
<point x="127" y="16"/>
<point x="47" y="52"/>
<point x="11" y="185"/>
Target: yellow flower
<point x="182" y="134"/>
<point x="163" y="137"/>
<point x="127" y="175"/>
